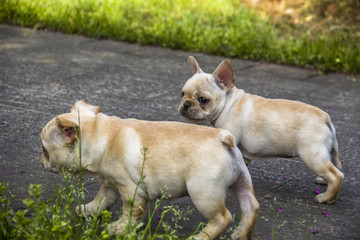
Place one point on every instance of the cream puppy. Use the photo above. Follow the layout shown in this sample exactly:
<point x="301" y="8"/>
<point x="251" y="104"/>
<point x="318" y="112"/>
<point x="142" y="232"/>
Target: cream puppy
<point x="265" y="128"/>
<point x="183" y="159"/>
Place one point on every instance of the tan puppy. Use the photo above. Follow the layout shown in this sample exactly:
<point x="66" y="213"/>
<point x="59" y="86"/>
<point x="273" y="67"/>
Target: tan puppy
<point x="265" y="128"/>
<point x="183" y="159"/>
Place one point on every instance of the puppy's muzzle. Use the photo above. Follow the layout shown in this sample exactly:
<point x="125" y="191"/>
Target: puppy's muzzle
<point x="186" y="106"/>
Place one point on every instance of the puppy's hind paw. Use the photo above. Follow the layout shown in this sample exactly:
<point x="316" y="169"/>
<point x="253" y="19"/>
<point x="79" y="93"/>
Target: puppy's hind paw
<point x="320" y="180"/>
<point x="322" y="198"/>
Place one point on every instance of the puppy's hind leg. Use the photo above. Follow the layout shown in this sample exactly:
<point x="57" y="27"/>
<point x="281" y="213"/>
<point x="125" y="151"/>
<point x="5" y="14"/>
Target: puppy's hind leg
<point x="209" y="199"/>
<point x="334" y="152"/>
<point x="336" y="161"/>
<point x="105" y="198"/>
<point x="249" y="206"/>
<point x="319" y="162"/>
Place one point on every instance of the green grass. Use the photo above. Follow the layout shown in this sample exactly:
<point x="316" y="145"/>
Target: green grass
<point x="222" y="27"/>
<point x="56" y="218"/>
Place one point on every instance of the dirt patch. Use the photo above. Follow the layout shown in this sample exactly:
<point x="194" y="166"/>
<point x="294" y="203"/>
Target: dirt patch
<point x="296" y="16"/>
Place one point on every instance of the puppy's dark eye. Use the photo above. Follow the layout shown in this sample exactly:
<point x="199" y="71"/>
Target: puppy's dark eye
<point x="182" y="94"/>
<point x="203" y="100"/>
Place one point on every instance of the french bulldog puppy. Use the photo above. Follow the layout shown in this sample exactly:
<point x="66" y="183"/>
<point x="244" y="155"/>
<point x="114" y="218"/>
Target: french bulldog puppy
<point x="265" y="128"/>
<point x="183" y="159"/>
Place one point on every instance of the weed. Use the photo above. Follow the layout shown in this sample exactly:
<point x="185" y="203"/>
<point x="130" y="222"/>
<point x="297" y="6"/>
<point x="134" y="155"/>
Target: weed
<point x="56" y="218"/>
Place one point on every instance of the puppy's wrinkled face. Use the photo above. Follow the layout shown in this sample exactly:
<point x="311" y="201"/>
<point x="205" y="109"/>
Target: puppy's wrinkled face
<point x="57" y="151"/>
<point x="202" y="100"/>
<point x="45" y="145"/>
<point x="204" y="95"/>
<point x="60" y="137"/>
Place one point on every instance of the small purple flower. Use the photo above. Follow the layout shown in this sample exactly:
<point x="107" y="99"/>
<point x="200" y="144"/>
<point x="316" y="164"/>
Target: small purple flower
<point x="284" y="178"/>
<point x="17" y="166"/>
<point x="314" y="231"/>
<point x="335" y="230"/>
<point x="22" y="171"/>
<point x="325" y="213"/>
<point x="158" y="218"/>
<point x="280" y="210"/>
<point x="318" y="191"/>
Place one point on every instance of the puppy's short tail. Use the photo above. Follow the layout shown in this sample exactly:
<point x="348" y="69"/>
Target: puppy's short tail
<point x="335" y="148"/>
<point x="227" y="138"/>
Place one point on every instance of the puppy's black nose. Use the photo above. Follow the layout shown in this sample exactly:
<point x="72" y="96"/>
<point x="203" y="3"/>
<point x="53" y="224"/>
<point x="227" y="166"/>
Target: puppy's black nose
<point x="186" y="106"/>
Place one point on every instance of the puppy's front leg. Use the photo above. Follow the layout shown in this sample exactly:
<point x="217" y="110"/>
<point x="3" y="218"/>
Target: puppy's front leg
<point x="133" y="213"/>
<point x="105" y="198"/>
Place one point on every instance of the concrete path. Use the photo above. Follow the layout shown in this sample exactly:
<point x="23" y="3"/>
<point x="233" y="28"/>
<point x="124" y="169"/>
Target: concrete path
<point x="43" y="73"/>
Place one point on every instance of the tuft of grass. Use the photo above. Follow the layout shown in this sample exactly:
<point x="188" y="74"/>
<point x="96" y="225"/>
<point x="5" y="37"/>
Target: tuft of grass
<point x="56" y="218"/>
<point x="223" y="27"/>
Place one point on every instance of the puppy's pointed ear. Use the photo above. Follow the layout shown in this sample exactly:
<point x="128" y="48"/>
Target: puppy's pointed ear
<point x="194" y="65"/>
<point x="224" y="75"/>
<point x="68" y="126"/>
<point x="85" y="108"/>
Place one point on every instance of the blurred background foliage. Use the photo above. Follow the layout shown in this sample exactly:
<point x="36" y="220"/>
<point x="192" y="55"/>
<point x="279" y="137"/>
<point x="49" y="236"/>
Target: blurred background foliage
<point x="317" y="34"/>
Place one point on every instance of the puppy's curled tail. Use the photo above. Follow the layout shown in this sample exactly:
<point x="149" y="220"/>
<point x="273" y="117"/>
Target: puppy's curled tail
<point x="227" y="138"/>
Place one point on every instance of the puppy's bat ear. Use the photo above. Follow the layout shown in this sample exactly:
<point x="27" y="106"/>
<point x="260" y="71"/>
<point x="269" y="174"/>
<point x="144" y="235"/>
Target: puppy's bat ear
<point x="194" y="65"/>
<point x="224" y="75"/>
<point x="68" y="127"/>
<point x="85" y="108"/>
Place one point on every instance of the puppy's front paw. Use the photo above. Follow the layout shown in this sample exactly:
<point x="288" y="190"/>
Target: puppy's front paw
<point x="323" y="198"/>
<point x="80" y="210"/>
<point x="88" y="209"/>
<point x="201" y="236"/>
